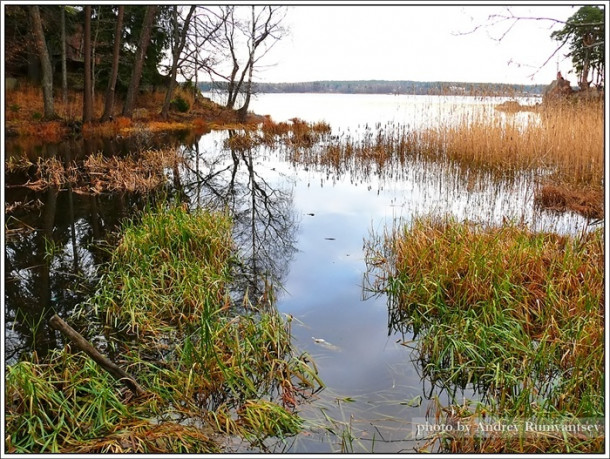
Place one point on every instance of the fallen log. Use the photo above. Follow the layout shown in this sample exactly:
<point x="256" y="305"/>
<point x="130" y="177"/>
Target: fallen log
<point x="81" y="343"/>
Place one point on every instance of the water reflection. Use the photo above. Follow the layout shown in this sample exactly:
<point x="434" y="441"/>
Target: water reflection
<point x="53" y="237"/>
<point x="264" y="219"/>
<point x="52" y="252"/>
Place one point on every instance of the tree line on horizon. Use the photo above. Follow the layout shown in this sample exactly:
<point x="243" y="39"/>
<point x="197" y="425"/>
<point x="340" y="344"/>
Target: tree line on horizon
<point x="388" y="87"/>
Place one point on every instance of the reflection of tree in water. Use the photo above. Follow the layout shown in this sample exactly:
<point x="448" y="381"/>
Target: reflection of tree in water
<point x="53" y="237"/>
<point x="51" y="254"/>
<point x="264" y="220"/>
<point x="52" y="243"/>
<point x="51" y="258"/>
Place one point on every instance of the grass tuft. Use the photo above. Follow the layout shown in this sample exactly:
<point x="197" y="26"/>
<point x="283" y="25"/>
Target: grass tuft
<point x="208" y="366"/>
<point x="517" y="315"/>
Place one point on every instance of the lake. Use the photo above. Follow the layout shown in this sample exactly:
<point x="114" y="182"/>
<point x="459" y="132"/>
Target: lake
<point x="300" y="226"/>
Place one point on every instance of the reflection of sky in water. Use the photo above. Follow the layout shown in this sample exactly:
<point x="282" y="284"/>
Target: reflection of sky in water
<point x="323" y="291"/>
<point x="323" y="288"/>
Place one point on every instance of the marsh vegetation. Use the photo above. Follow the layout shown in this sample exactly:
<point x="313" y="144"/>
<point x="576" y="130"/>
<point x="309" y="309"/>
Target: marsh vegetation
<point x="482" y="275"/>
<point x="164" y="311"/>
<point x="517" y="315"/>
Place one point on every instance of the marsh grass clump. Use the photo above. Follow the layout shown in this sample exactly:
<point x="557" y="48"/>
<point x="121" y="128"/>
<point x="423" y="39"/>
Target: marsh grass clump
<point x="55" y="405"/>
<point x="517" y="315"/>
<point x="209" y="367"/>
<point x="297" y="133"/>
<point x="241" y="141"/>
<point x="583" y="200"/>
<point x="168" y="267"/>
<point x="267" y="417"/>
<point x="68" y="404"/>
<point x="142" y="172"/>
<point x="271" y="128"/>
<point x="139" y="172"/>
<point x="305" y="134"/>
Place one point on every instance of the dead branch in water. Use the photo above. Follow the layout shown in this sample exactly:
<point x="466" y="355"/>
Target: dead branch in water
<point x="81" y="343"/>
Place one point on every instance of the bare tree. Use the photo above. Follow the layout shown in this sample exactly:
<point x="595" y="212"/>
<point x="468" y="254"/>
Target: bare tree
<point x="109" y="98"/>
<point x="505" y="22"/>
<point x="136" y="75"/>
<point x="264" y="25"/>
<point x="45" y="63"/>
<point x="230" y="28"/>
<point x="256" y="35"/>
<point x="202" y="42"/>
<point x="179" y="41"/>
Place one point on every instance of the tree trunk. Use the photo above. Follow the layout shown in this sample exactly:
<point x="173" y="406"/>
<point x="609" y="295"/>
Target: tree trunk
<point x="98" y="16"/>
<point x="235" y="85"/>
<point x="584" y="75"/>
<point x="134" y="84"/>
<point x="109" y="102"/>
<point x="229" y="30"/>
<point x="87" y="92"/>
<point x="179" y="43"/>
<point x="45" y="63"/>
<point x="64" y="69"/>
<point x="243" y="111"/>
<point x="232" y="89"/>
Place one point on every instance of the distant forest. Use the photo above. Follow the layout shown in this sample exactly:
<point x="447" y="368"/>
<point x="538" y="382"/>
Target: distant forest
<point x="390" y="87"/>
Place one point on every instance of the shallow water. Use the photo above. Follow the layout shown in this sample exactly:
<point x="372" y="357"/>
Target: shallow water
<point x="302" y="226"/>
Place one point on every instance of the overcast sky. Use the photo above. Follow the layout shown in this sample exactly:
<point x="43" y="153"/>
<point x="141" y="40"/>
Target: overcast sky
<point x="410" y="42"/>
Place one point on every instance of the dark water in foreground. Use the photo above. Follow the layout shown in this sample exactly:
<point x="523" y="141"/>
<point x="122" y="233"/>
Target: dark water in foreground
<point x="300" y="225"/>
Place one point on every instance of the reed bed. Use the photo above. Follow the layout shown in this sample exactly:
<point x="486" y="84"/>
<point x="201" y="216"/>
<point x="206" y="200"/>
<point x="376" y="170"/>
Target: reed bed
<point x="141" y="172"/>
<point x="210" y="368"/>
<point x="562" y="144"/>
<point x="517" y="315"/>
<point x="567" y="140"/>
<point x="296" y="133"/>
<point x="584" y="200"/>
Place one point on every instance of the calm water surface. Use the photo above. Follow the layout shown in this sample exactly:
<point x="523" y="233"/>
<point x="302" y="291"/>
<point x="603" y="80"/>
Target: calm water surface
<point x="304" y="227"/>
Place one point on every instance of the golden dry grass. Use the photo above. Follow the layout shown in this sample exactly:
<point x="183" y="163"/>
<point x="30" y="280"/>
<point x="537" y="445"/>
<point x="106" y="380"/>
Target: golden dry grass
<point x="584" y="200"/>
<point x="564" y="140"/>
<point x="140" y="173"/>
<point x="26" y="103"/>
<point x="51" y="131"/>
<point x="562" y="145"/>
<point x="135" y="173"/>
<point x="568" y="140"/>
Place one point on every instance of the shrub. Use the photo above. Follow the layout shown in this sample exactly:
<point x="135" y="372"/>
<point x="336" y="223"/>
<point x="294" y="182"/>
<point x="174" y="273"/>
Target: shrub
<point x="180" y="104"/>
